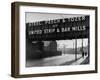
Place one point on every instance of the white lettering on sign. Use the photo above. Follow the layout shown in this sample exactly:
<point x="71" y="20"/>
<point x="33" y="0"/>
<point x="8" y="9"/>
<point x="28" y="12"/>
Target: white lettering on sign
<point x="76" y="19"/>
<point x="65" y="29"/>
<point x="35" y="32"/>
<point x="79" y="28"/>
<point x="49" y="31"/>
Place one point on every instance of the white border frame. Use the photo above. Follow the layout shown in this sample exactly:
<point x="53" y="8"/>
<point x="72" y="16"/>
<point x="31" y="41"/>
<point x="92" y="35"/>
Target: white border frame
<point x="53" y="69"/>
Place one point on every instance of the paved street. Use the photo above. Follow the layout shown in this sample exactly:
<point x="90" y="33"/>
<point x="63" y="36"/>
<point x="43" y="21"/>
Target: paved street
<point x="67" y="59"/>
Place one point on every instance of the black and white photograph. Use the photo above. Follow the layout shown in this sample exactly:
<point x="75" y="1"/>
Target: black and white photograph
<point x="57" y="39"/>
<point x="52" y="39"/>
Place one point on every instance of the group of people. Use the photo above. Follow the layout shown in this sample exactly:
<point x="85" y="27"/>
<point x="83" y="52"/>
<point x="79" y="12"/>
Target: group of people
<point x="84" y="54"/>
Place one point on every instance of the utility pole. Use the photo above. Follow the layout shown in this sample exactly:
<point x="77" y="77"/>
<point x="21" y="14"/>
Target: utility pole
<point x="88" y="49"/>
<point x="82" y="49"/>
<point x="73" y="46"/>
<point x="75" y="49"/>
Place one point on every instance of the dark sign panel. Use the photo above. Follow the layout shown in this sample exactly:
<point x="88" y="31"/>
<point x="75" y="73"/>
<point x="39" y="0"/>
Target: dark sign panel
<point x="67" y="28"/>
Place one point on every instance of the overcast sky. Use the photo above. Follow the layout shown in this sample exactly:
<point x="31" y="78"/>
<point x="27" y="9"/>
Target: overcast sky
<point x="34" y="17"/>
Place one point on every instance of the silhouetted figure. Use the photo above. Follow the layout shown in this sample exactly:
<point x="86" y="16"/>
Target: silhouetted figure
<point x="83" y="54"/>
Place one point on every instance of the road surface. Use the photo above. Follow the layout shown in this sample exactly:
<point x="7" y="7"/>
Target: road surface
<point x="66" y="59"/>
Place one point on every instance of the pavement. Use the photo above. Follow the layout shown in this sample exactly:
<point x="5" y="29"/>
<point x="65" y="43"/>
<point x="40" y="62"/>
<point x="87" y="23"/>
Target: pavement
<point x="82" y="60"/>
<point x="66" y="59"/>
<point x="86" y="61"/>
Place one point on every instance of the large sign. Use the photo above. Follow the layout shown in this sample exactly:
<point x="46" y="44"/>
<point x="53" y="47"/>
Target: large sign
<point x="66" y="28"/>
